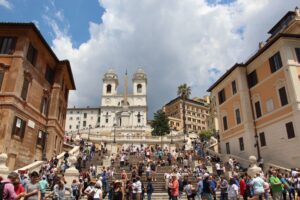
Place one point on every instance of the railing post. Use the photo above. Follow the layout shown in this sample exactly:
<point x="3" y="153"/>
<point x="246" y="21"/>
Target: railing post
<point x="4" y="170"/>
<point x="71" y="173"/>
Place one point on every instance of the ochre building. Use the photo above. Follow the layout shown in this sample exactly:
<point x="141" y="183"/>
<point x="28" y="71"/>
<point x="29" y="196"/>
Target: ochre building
<point x="258" y="102"/>
<point x="197" y="112"/>
<point x="34" y="90"/>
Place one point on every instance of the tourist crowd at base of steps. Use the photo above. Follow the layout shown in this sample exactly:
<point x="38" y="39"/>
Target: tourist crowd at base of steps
<point x="136" y="171"/>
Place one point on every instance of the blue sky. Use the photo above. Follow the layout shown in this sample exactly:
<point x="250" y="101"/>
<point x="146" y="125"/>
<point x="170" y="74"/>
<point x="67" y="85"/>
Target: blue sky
<point x="174" y="41"/>
<point x="76" y="16"/>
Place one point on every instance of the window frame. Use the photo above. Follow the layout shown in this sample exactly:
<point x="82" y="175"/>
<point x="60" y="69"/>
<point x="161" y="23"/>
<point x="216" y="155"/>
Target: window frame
<point x="241" y="144"/>
<point x="237" y="116"/>
<point x="227" y="145"/>
<point x="275" y="62"/>
<point x="10" y="45"/>
<point x="22" y="129"/>
<point x="2" y="75"/>
<point x="233" y="87"/>
<point x="252" y="79"/>
<point x="257" y="114"/>
<point x="262" y="139"/>
<point x="290" y="127"/>
<point x="222" y="96"/>
<point x="284" y="100"/>
<point x="31" y="55"/>
<point x="297" y="51"/>
<point x="225" y="125"/>
<point x="25" y="88"/>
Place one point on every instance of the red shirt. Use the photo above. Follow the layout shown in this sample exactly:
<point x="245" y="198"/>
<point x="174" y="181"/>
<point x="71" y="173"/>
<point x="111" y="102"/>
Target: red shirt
<point x="242" y="187"/>
<point x="19" y="189"/>
<point x="175" y="188"/>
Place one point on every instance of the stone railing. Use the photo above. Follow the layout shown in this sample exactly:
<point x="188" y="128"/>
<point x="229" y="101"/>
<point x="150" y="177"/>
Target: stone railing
<point x="134" y="138"/>
<point x="36" y="166"/>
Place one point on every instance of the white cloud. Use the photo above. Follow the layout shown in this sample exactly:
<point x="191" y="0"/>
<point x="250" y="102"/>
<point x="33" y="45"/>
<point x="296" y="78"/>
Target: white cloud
<point x="6" y="4"/>
<point x="175" y="41"/>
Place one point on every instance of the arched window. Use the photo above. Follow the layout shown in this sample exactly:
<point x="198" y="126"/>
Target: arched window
<point x="108" y="88"/>
<point x="139" y="88"/>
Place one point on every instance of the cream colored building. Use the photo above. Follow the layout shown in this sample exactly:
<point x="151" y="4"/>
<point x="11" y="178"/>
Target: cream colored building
<point x="82" y="118"/>
<point x="258" y="102"/>
<point x="197" y="112"/>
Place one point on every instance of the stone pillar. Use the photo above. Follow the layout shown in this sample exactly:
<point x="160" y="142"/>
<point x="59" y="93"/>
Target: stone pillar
<point x="4" y="170"/>
<point x="71" y="173"/>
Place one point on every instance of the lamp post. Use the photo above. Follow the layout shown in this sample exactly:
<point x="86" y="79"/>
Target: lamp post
<point x="115" y="125"/>
<point x="89" y="132"/>
<point x="257" y="147"/>
<point x="172" y="136"/>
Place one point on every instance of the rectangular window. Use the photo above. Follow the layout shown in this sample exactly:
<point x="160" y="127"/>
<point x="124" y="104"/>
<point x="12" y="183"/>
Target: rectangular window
<point x="241" y="142"/>
<point x="252" y="79"/>
<point x="84" y="124"/>
<point x="41" y="138"/>
<point x="84" y="115"/>
<point x="19" y="127"/>
<point x="77" y="126"/>
<point x="106" y="120"/>
<point x="1" y="78"/>
<point x="7" y="45"/>
<point x="275" y="62"/>
<point x="98" y="119"/>
<point x="44" y="106"/>
<point x="233" y="86"/>
<point x="70" y="127"/>
<point x="222" y="96"/>
<point x="283" y="96"/>
<point x="25" y="89"/>
<point x="298" y="54"/>
<point x="227" y="148"/>
<point x="49" y="75"/>
<point x="71" y="118"/>
<point x="262" y="139"/>
<point x="31" y="54"/>
<point x="225" y="126"/>
<point x="238" y="116"/>
<point x="290" y="130"/>
<point x="257" y="109"/>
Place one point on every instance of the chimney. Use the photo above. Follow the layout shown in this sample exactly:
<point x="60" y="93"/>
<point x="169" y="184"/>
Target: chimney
<point x="261" y="45"/>
<point x="297" y="12"/>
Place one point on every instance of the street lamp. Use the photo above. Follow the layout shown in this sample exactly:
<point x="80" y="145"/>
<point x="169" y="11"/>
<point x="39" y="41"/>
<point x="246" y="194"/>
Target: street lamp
<point x="115" y="125"/>
<point x="257" y="147"/>
<point x="89" y="132"/>
<point x="172" y="136"/>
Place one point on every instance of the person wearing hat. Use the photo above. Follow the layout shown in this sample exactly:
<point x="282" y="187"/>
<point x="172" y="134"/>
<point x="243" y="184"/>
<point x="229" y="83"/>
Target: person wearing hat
<point x="117" y="193"/>
<point x="207" y="190"/>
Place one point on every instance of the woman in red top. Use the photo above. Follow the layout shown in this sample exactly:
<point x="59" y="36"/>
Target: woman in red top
<point x="243" y="187"/>
<point x="174" y="187"/>
<point x="18" y="187"/>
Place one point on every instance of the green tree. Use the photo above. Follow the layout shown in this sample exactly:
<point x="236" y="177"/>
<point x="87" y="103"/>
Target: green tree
<point x="184" y="92"/>
<point x="160" y="124"/>
<point x="206" y="134"/>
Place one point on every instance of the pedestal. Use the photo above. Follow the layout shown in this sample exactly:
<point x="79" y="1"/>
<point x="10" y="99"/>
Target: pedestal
<point x="71" y="173"/>
<point x="4" y="170"/>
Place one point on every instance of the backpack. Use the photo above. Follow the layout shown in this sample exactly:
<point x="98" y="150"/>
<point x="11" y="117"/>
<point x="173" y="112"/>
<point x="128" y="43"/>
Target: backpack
<point x="2" y="185"/>
<point x="150" y="188"/>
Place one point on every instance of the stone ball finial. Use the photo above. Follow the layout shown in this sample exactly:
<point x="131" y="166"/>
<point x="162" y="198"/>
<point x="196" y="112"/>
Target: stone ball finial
<point x="3" y="158"/>
<point x="72" y="160"/>
<point x="252" y="159"/>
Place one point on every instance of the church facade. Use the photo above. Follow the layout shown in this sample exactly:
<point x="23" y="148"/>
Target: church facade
<point x="124" y="110"/>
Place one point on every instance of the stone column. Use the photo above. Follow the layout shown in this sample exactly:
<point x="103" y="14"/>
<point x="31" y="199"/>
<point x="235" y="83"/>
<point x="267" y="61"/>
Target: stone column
<point x="71" y="173"/>
<point x="4" y="170"/>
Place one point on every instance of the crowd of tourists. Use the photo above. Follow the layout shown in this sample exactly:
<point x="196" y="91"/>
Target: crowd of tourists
<point x="188" y="171"/>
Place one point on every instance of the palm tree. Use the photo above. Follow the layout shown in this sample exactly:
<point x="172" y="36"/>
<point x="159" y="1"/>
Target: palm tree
<point x="184" y="92"/>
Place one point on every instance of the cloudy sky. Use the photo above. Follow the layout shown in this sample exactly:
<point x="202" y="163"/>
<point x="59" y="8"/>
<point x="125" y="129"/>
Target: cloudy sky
<point x="174" y="41"/>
